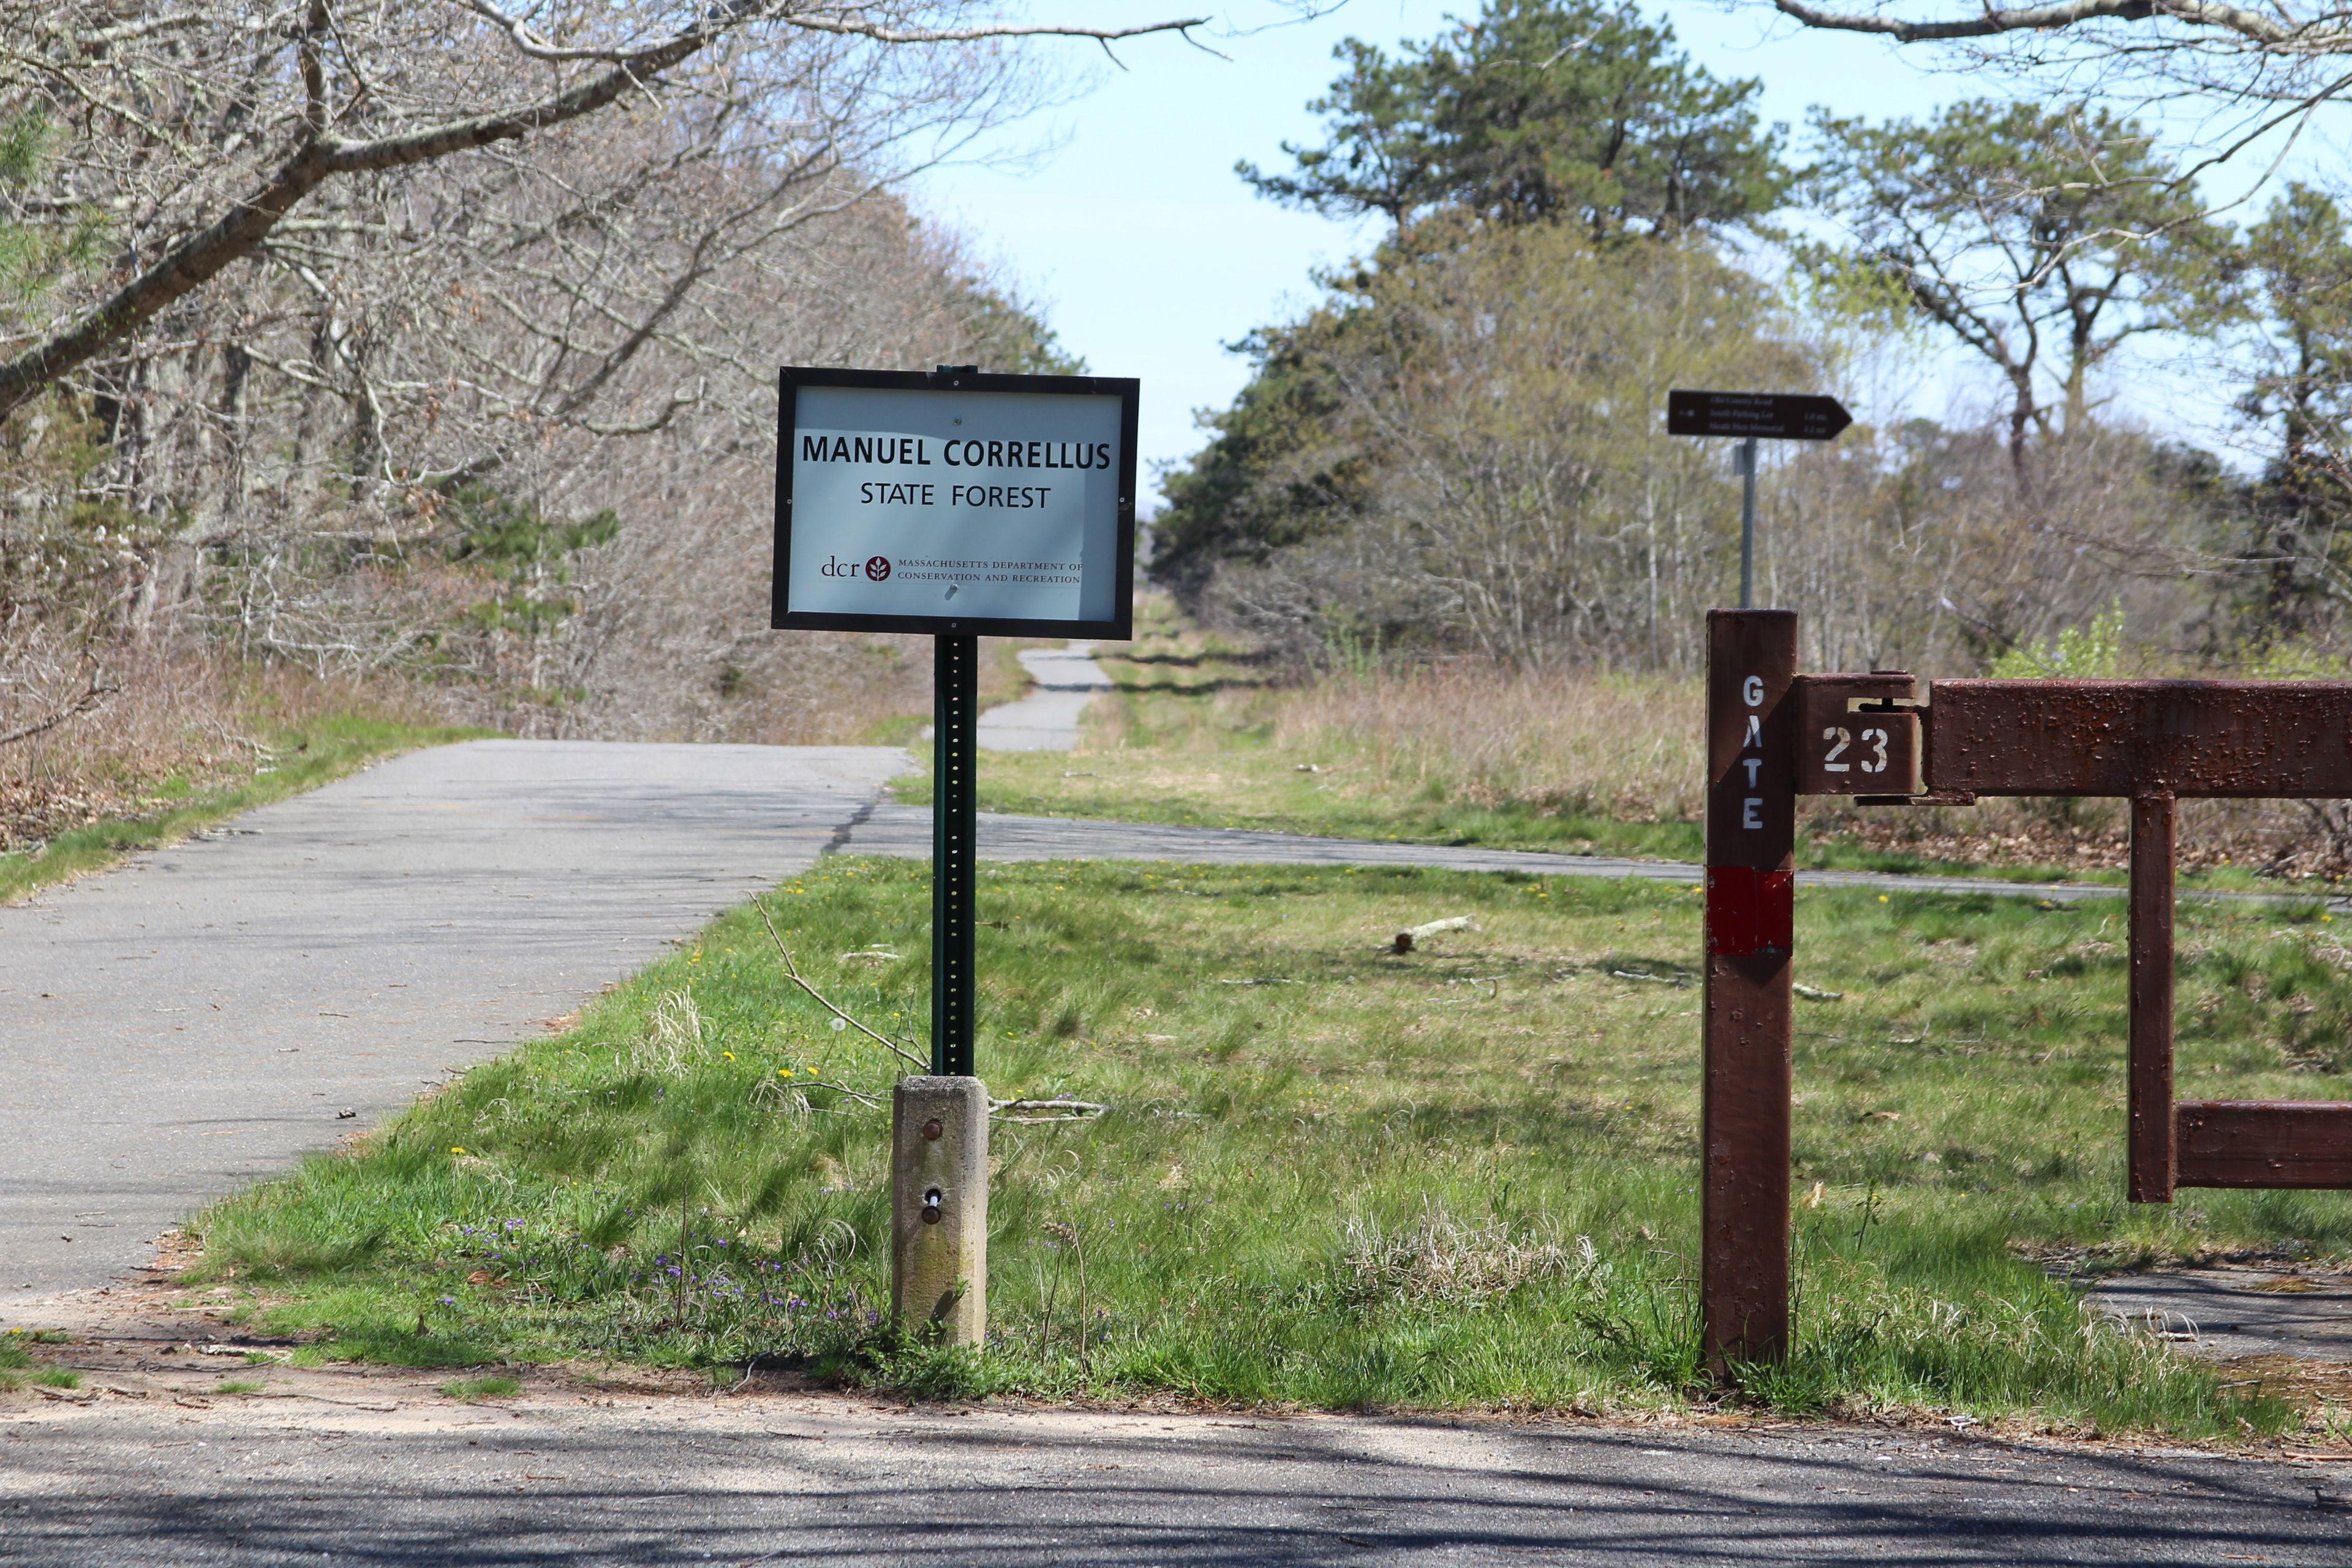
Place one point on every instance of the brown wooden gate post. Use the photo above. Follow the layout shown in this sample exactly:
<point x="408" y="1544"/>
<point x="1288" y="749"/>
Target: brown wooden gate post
<point x="2149" y="1145"/>
<point x="1751" y="821"/>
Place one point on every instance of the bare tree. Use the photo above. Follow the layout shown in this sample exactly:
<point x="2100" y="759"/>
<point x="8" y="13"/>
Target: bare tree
<point x="192" y="133"/>
<point x="2043" y="239"/>
<point x="502" y="417"/>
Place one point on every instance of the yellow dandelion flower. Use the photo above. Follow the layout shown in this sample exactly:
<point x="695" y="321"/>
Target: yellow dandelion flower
<point x="728" y="1055"/>
<point x="454" y="1150"/>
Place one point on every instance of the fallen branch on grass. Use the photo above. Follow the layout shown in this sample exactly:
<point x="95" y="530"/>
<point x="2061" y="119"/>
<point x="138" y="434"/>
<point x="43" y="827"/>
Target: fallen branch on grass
<point x="1405" y="940"/>
<point x="858" y="1094"/>
<point x="1811" y="994"/>
<point x="1653" y="979"/>
<point x="1066" y="1109"/>
<point x="792" y="972"/>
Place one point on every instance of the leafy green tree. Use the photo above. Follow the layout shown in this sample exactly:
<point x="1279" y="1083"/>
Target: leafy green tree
<point x="2299" y="270"/>
<point x="1537" y="111"/>
<point x="1280" y="468"/>
<point x="2094" y="652"/>
<point x="2042" y="238"/>
<point x="2299" y="259"/>
<point x="1009" y="336"/>
<point x="528" y="559"/>
<point x="1463" y="449"/>
<point x="34" y="257"/>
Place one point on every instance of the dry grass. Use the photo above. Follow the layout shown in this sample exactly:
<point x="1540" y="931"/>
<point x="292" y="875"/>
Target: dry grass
<point x="182" y="722"/>
<point x="842" y="688"/>
<point x="1554" y="740"/>
<point x="179" y="725"/>
<point x="2270" y="838"/>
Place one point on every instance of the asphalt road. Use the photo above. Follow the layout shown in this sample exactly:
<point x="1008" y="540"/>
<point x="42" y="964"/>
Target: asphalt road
<point x="174" y="1029"/>
<point x="381" y="1477"/>
<point x="2240" y="1309"/>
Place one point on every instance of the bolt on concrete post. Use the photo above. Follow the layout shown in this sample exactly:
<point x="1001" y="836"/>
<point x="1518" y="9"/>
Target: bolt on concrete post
<point x="938" y="1208"/>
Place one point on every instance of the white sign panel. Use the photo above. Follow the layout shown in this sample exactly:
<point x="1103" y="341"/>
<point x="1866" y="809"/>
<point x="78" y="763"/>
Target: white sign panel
<point x="955" y="502"/>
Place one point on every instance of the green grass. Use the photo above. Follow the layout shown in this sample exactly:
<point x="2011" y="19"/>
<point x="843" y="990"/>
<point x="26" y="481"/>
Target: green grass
<point x="1331" y="1175"/>
<point x="240" y="1385"/>
<point x="308" y="756"/>
<point x="17" y="1365"/>
<point x="474" y="1390"/>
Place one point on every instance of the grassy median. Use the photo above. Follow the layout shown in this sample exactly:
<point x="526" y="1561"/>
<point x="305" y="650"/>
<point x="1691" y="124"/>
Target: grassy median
<point x="1329" y="1174"/>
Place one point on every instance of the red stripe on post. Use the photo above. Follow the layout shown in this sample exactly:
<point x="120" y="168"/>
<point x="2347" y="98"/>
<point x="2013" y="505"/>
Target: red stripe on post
<point x="1749" y="912"/>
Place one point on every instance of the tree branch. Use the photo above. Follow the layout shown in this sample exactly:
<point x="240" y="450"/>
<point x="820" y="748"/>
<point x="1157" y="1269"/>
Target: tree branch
<point x="854" y="27"/>
<point x="94" y="692"/>
<point x="2272" y="34"/>
<point x="320" y="155"/>
<point x="793" y="972"/>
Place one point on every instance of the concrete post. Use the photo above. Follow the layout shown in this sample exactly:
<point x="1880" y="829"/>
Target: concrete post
<point x="938" y="1208"/>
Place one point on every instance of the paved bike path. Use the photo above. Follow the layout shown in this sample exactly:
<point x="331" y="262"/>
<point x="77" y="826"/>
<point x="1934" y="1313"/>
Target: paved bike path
<point x="905" y="831"/>
<point x="175" y="1028"/>
<point x="1068" y="680"/>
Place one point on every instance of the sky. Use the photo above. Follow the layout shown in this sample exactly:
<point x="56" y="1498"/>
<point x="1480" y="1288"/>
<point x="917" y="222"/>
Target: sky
<point x="1118" y="214"/>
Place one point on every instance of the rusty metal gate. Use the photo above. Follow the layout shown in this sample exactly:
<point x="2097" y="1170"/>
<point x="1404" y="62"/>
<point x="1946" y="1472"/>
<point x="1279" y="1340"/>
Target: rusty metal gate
<point x="1774" y="734"/>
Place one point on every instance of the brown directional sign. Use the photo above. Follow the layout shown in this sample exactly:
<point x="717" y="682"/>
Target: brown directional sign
<point x="1771" y="416"/>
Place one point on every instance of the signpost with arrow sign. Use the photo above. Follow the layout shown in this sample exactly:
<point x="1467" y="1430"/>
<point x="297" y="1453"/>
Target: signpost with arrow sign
<point x="1750" y="418"/>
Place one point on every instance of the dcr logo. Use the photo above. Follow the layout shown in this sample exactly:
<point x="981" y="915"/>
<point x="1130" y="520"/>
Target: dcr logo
<point x="878" y="569"/>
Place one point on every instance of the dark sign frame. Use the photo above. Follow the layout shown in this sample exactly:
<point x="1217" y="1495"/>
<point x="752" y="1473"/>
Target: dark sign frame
<point x="791" y="378"/>
<point x="1756" y="415"/>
